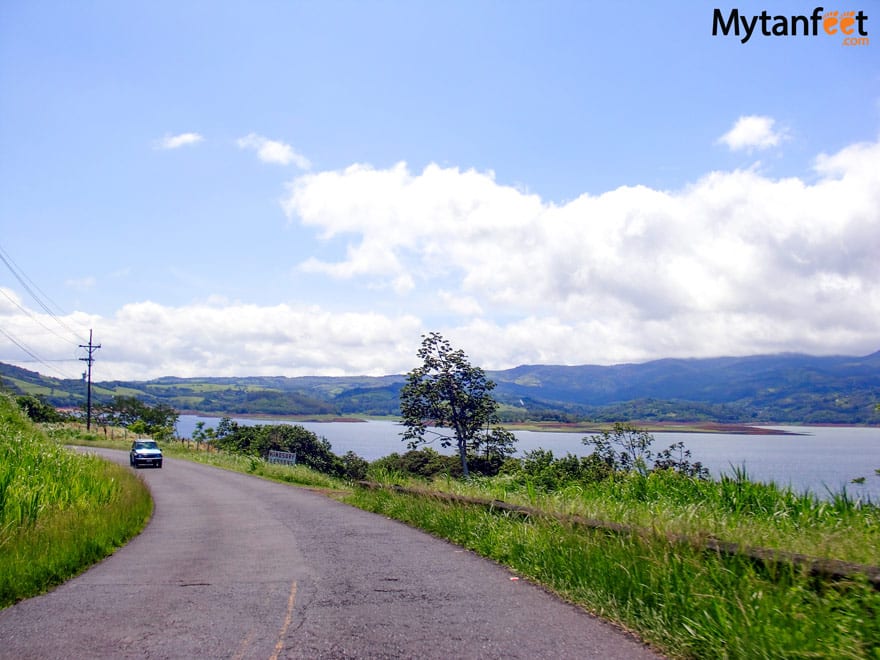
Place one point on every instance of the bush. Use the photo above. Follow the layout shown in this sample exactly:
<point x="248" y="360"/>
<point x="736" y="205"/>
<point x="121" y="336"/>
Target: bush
<point x="426" y="463"/>
<point x="38" y="410"/>
<point x="354" y="466"/>
<point x="311" y="451"/>
<point x="543" y="470"/>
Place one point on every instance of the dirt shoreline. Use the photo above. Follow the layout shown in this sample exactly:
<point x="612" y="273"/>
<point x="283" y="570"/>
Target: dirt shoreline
<point x="652" y="427"/>
<point x="547" y="427"/>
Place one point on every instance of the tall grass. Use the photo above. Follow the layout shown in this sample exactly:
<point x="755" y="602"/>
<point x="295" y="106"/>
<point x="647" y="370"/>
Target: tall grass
<point x="686" y="602"/>
<point x="59" y="511"/>
<point x="733" y="509"/>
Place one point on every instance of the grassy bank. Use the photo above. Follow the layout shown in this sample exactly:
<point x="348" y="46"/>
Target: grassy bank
<point x="59" y="512"/>
<point x="686" y="602"/>
<point x="734" y="509"/>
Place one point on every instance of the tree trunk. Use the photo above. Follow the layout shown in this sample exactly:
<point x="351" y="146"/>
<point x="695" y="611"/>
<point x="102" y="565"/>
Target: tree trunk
<point x="462" y="453"/>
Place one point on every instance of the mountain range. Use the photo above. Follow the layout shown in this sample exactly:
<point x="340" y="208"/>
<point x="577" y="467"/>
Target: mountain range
<point x="784" y="388"/>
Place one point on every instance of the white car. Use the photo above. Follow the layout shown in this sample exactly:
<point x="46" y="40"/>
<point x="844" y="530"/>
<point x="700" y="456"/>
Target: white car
<point x="145" y="452"/>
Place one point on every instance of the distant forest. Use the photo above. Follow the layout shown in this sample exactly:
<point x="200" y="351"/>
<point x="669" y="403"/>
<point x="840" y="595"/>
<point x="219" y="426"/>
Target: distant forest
<point x="787" y="388"/>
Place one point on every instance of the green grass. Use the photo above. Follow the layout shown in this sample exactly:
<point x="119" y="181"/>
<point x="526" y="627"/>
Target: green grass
<point x="688" y="603"/>
<point x="734" y="509"/>
<point x="59" y="511"/>
<point x="32" y="388"/>
<point x="295" y="475"/>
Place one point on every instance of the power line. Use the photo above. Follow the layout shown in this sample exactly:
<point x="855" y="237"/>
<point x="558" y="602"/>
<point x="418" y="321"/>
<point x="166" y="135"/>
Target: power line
<point x="23" y="279"/>
<point x="31" y="287"/>
<point x="31" y="353"/>
<point x="31" y="314"/>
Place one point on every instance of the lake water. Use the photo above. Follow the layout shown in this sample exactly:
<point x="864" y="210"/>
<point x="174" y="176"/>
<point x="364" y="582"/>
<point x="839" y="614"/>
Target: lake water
<point x="820" y="460"/>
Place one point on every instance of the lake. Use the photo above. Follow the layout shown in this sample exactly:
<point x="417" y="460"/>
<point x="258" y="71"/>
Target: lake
<point x="820" y="460"/>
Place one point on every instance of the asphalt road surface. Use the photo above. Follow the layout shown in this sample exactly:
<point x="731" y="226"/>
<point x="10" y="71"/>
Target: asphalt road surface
<point x="233" y="566"/>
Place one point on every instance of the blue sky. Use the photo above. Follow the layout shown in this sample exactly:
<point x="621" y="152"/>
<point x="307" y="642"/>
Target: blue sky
<point x="293" y="188"/>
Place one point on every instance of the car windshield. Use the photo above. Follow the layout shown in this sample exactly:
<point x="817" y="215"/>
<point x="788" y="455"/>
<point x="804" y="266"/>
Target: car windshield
<point x="146" y="444"/>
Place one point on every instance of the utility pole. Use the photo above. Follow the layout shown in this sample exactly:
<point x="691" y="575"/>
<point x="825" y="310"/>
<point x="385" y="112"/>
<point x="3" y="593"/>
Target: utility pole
<point x="91" y="348"/>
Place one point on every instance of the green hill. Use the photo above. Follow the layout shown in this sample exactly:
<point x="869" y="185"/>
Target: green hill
<point x="788" y="388"/>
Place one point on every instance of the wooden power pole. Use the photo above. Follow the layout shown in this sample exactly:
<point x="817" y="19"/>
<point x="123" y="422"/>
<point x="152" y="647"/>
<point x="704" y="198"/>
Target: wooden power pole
<point x="91" y="348"/>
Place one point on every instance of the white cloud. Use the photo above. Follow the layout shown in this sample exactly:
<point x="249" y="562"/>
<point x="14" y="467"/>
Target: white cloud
<point x="9" y="301"/>
<point x="148" y="340"/>
<point x="177" y="141"/>
<point x="753" y="132"/>
<point x="271" y="151"/>
<point x="461" y="305"/>
<point x="735" y="263"/>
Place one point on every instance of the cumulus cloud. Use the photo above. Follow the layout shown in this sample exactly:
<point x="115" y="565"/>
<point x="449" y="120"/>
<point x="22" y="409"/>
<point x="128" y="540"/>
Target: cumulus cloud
<point x="461" y="305"/>
<point x="752" y="132"/>
<point x="226" y="339"/>
<point x="9" y="301"/>
<point x="177" y="141"/>
<point x="272" y="151"/>
<point x="734" y="263"/>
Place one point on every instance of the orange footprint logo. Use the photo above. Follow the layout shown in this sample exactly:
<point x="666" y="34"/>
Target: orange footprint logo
<point x="830" y="22"/>
<point x="847" y="22"/>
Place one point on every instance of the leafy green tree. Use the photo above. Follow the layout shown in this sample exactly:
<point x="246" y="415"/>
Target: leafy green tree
<point x="38" y="410"/>
<point x="157" y="421"/>
<point x="201" y="434"/>
<point x="677" y="458"/>
<point x="447" y="392"/>
<point x="260" y="439"/>
<point x="626" y="448"/>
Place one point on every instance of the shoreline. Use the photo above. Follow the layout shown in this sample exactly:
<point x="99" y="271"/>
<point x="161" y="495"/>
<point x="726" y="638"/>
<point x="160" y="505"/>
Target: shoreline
<point x="653" y="427"/>
<point x="316" y="419"/>
<point x="551" y="427"/>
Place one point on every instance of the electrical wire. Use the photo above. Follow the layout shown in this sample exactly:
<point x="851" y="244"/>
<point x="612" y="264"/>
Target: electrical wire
<point x="32" y="354"/>
<point x="30" y="287"/>
<point x="23" y="279"/>
<point x="36" y="320"/>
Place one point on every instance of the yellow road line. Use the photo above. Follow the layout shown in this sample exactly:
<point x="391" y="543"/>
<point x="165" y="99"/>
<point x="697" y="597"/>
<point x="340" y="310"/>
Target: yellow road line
<point x="245" y="643"/>
<point x="287" y="621"/>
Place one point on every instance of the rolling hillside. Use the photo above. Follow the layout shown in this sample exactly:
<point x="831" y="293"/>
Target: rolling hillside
<point x="788" y="388"/>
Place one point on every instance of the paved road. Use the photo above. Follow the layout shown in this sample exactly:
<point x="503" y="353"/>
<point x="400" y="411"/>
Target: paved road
<point x="236" y="567"/>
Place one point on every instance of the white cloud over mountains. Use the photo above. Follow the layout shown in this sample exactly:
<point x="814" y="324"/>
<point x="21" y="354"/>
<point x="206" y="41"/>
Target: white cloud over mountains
<point x="734" y="263"/>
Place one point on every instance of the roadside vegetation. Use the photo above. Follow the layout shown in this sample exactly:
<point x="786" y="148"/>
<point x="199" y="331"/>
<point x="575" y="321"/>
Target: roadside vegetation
<point x="684" y="600"/>
<point x="648" y="558"/>
<point x="687" y="602"/>
<point x="645" y="565"/>
<point x="59" y="511"/>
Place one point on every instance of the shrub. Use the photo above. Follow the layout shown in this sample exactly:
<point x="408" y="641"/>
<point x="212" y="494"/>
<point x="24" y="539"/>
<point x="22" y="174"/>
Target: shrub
<point x="426" y="463"/>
